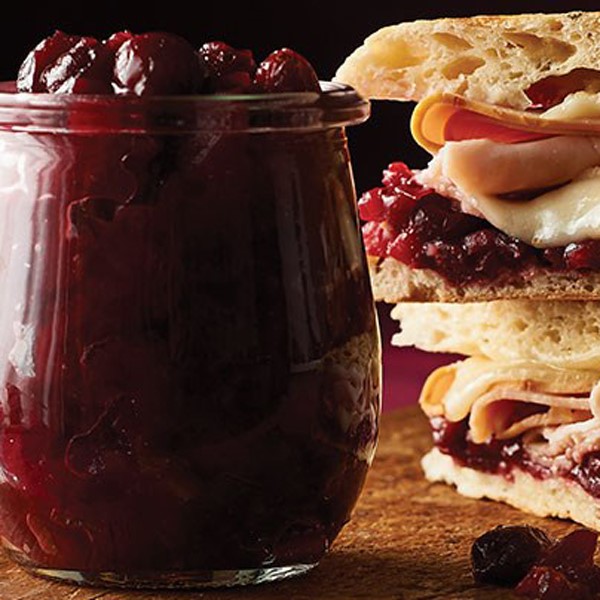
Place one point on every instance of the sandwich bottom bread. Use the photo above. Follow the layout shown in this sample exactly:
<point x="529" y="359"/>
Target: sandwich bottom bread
<point x="518" y="419"/>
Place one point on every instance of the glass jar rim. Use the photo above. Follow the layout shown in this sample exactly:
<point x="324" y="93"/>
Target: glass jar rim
<point x="337" y="105"/>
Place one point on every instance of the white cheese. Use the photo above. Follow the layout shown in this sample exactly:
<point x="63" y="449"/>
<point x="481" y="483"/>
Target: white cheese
<point x="579" y="105"/>
<point x="568" y="214"/>
<point x="480" y="170"/>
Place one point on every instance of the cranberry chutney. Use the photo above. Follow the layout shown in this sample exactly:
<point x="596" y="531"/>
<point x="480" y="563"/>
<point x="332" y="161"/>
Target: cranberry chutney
<point x="191" y="361"/>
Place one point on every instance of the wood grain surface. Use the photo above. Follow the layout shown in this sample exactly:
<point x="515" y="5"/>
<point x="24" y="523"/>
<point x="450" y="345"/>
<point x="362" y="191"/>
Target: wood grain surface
<point x="408" y="539"/>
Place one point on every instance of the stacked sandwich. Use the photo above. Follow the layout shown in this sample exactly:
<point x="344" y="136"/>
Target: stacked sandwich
<point x="492" y="249"/>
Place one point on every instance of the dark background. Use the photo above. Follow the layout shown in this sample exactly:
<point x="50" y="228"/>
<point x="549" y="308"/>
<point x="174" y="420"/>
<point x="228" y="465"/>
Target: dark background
<point x="323" y="31"/>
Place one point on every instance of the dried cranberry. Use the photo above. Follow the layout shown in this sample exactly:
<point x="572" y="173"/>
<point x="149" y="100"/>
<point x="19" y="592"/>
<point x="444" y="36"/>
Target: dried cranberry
<point x="546" y="583"/>
<point x="157" y="63"/>
<point x="505" y="554"/>
<point x="229" y="69"/>
<point x="575" y="549"/>
<point x="286" y="71"/>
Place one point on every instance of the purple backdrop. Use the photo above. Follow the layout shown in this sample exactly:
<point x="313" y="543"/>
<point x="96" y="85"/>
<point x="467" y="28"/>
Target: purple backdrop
<point x="404" y="369"/>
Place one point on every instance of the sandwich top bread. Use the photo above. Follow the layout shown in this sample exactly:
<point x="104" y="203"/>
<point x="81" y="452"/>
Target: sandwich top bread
<point x="486" y="58"/>
<point x="509" y="205"/>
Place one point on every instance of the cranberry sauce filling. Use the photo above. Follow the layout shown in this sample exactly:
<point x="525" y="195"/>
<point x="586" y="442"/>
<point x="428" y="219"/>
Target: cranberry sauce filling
<point x="501" y="456"/>
<point x="191" y="356"/>
<point x="425" y="230"/>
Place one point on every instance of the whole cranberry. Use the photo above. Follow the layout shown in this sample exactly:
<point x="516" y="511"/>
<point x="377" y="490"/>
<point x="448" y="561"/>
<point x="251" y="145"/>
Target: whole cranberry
<point x="64" y="63"/>
<point x="229" y="69"/>
<point x="377" y="238"/>
<point x="583" y="255"/>
<point x="83" y="69"/>
<point x="371" y="206"/>
<point x="399" y="177"/>
<point x="117" y="39"/>
<point x="286" y="71"/>
<point x="157" y="63"/>
<point x="505" y="554"/>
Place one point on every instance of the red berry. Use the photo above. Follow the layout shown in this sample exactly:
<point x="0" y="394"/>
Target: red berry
<point x="505" y="554"/>
<point x="407" y="248"/>
<point x="397" y="174"/>
<point x="157" y="63"/>
<point x="575" y="549"/>
<point x="83" y="69"/>
<point x="44" y="56"/>
<point x="582" y="255"/>
<point x="377" y="237"/>
<point x="286" y="71"/>
<point x="398" y="177"/>
<point x="117" y="39"/>
<point x="229" y="69"/>
<point x="371" y="206"/>
<point x="546" y="583"/>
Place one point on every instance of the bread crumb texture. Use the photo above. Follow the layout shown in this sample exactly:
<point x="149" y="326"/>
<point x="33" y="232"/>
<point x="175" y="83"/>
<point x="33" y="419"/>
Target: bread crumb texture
<point x="486" y="58"/>
<point x="560" y="333"/>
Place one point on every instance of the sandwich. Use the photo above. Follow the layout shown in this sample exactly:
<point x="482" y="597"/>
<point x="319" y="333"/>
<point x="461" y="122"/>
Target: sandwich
<point x="508" y="108"/>
<point x="491" y="250"/>
<point x="518" y="419"/>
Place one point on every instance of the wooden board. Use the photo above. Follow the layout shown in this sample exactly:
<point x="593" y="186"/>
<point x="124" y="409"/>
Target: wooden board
<point x="408" y="539"/>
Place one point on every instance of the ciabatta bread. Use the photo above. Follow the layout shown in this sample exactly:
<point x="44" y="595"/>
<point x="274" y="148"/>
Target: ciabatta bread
<point x="395" y="282"/>
<point x="562" y="333"/>
<point x="553" y="497"/>
<point x="486" y="58"/>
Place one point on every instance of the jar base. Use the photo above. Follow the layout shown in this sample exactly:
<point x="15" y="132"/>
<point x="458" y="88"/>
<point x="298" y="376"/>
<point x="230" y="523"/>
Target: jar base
<point x="173" y="580"/>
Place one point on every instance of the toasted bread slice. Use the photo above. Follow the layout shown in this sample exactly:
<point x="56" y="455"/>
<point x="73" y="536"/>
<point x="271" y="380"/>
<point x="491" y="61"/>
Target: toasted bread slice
<point x="552" y="497"/>
<point x="486" y="58"/>
<point x="395" y="282"/>
<point x="560" y="333"/>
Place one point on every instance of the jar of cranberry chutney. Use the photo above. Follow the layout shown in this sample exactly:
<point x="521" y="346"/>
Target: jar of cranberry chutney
<point x="191" y="364"/>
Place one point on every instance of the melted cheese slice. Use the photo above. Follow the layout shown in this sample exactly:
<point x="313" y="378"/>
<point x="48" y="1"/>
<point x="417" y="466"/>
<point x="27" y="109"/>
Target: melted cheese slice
<point x="484" y="171"/>
<point x="503" y="400"/>
<point x="558" y="149"/>
<point x="580" y="105"/>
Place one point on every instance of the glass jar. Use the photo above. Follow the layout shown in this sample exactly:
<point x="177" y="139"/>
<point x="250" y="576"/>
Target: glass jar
<point x="191" y="361"/>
